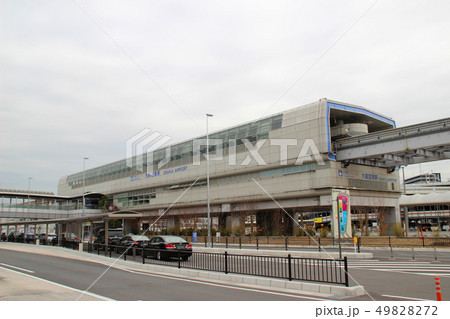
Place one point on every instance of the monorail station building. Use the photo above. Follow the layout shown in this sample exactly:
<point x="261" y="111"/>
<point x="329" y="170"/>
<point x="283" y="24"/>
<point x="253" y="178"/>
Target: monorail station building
<point x="264" y="176"/>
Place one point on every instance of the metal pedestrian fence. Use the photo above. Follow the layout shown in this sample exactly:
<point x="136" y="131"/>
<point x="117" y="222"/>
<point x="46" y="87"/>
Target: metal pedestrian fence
<point x="332" y="271"/>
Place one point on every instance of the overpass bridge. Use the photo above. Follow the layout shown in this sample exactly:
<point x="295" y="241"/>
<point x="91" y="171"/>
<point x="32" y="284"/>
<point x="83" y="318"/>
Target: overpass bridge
<point x="414" y="144"/>
<point x="17" y="204"/>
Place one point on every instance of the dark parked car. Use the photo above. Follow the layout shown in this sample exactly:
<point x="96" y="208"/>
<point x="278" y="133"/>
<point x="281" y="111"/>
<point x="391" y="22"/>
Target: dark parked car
<point x="29" y="238"/>
<point x="65" y="237"/>
<point x="20" y="238"/>
<point x="12" y="236"/>
<point x="164" y="247"/>
<point x="132" y="241"/>
<point x="49" y="239"/>
<point x="113" y="241"/>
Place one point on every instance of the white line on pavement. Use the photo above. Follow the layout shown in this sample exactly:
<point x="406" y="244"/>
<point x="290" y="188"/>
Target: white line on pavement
<point x="60" y="285"/>
<point x="18" y="268"/>
<point x="408" y="298"/>
<point x="223" y="286"/>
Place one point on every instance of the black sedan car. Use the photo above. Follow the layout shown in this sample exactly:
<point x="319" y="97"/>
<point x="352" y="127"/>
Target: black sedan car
<point x="129" y="242"/>
<point x="166" y="246"/>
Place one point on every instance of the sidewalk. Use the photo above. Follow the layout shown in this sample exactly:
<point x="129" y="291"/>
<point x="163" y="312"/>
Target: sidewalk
<point x="16" y="285"/>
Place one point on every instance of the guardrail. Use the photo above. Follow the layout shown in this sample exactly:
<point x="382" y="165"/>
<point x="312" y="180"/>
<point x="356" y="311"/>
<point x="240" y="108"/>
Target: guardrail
<point x="287" y="242"/>
<point x="333" y="271"/>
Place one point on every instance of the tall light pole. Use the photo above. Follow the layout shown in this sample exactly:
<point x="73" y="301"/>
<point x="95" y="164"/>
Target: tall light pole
<point x="28" y="205"/>
<point x="84" y="180"/>
<point x="207" y="179"/>
<point x="29" y="183"/>
<point x="82" y="209"/>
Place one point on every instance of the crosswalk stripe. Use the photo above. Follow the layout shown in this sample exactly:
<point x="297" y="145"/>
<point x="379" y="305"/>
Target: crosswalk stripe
<point x="413" y="267"/>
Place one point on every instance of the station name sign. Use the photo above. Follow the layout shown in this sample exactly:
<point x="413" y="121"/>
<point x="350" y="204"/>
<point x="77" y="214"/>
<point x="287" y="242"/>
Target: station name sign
<point x="371" y="177"/>
<point x="158" y="173"/>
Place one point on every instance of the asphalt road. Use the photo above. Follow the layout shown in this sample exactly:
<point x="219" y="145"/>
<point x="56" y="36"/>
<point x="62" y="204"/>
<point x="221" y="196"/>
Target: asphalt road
<point x="119" y="284"/>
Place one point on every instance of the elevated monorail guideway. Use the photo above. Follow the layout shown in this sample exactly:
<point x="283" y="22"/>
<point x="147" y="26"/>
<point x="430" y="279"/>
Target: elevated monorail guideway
<point x="419" y="143"/>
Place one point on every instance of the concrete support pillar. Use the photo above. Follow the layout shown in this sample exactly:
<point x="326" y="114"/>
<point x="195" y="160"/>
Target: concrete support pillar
<point x="35" y="235"/>
<point x="106" y="234"/>
<point x="295" y="223"/>
<point x="46" y="234"/>
<point x="392" y="217"/>
<point x="60" y="226"/>
<point x="228" y="222"/>
<point x="172" y="222"/>
<point x="235" y="220"/>
<point x="405" y="208"/>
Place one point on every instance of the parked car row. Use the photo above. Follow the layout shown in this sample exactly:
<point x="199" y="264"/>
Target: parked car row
<point x="159" y="247"/>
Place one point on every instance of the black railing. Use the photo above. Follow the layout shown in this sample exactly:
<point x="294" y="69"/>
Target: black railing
<point x="291" y="268"/>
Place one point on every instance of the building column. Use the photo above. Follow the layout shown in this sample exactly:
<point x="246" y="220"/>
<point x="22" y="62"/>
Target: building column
<point x="106" y="234"/>
<point x="295" y="224"/>
<point x="405" y="209"/>
<point x="392" y="217"/>
<point x="235" y="219"/>
<point x="60" y="226"/>
<point x="172" y="222"/>
<point x="46" y="234"/>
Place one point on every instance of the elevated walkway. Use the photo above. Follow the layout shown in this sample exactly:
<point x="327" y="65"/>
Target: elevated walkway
<point x="419" y="143"/>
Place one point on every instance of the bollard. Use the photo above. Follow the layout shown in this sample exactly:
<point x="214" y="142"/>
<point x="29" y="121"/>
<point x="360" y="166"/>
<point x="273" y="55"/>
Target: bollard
<point x="286" y="243"/>
<point x="240" y="243"/>
<point x="392" y="255"/>
<point x="435" y="254"/>
<point x="226" y="262"/>
<point x="205" y="242"/>
<point x="412" y="252"/>
<point x="226" y="242"/>
<point x="257" y="243"/>
<point x="438" y="289"/>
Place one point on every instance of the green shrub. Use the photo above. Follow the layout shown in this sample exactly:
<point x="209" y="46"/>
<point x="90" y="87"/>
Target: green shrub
<point x="398" y="229"/>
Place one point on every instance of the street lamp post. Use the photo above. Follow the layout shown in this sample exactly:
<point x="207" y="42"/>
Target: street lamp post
<point x="84" y="180"/>
<point x="207" y="180"/>
<point x="28" y="204"/>
<point x="82" y="209"/>
<point x="29" y="183"/>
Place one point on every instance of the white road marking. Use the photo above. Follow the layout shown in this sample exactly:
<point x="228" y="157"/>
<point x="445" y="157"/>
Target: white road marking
<point x="223" y="286"/>
<point x="18" y="268"/>
<point x="61" y="285"/>
<point x="408" y="298"/>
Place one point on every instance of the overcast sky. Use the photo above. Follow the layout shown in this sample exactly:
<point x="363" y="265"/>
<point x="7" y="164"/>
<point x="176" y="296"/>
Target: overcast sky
<point x="77" y="78"/>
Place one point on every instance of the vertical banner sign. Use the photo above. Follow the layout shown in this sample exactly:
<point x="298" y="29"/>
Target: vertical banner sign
<point x="341" y="208"/>
<point x="343" y="205"/>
